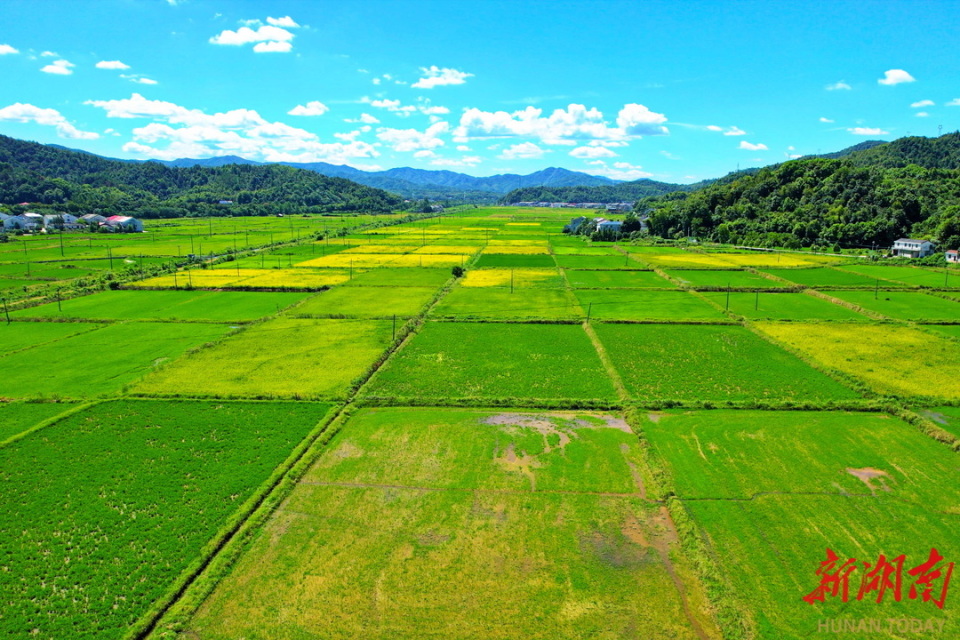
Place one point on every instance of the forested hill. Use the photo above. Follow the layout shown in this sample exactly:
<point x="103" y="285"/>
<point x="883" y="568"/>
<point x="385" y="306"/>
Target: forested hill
<point x="79" y="182"/>
<point x="910" y="187"/>
<point x="623" y="192"/>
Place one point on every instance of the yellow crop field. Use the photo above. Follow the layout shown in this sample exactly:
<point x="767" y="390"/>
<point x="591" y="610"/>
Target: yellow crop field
<point x="890" y="359"/>
<point x="523" y="224"/>
<point x="381" y="248"/>
<point x="306" y="278"/>
<point x="521" y="278"/>
<point x="421" y="260"/>
<point x="522" y="249"/>
<point x="685" y="260"/>
<point x="197" y="278"/>
<point x="772" y="259"/>
<point x="350" y="259"/>
<point x="447" y="248"/>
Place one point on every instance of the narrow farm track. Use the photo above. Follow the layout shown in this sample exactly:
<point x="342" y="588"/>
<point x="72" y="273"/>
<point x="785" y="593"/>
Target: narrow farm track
<point x="515" y="492"/>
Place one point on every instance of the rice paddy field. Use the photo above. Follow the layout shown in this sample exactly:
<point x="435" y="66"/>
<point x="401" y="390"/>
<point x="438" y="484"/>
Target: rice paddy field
<point x="291" y="437"/>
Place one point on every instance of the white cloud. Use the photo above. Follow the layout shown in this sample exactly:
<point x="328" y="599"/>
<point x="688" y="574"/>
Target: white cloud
<point x="59" y="67"/>
<point x="432" y="111"/>
<point x="285" y="21"/>
<point x="867" y="131"/>
<point x="752" y="147"/>
<point x="466" y="161"/>
<point x="268" y="38"/>
<point x="49" y="54"/>
<point x="524" y="150"/>
<point x="822" y="119"/>
<point x="668" y="155"/>
<point x="312" y="108"/>
<point x="567" y="126"/>
<point x="895" y="76"/>
<point x="111" y="64"/>
<point x="923" y="103"/>
<point x="364" y="118"/>
<point x="6" y="49"/>
<point x="922" y="114"/>
<point x="619" y="170"/>
<point x="142" y="80"/>
<point x="592" y="152"/>
<point x="734" y="131"/>
<point x="637" y="120"/>
<point x="272" y="47"/>
<point x="394" y="106"/>
<point x="376" y="81"/>
<point x="713" y="127"/>
<point x="425" y="153"/>
<point x="434" y="76"/>
<point x="19" y="112"/>
<point x="463" y="147"/>
<point x="178" y="132"/>
<point x="838" y="86"/>
<point x="412" y="139"/>
<point x="349" y="136"/>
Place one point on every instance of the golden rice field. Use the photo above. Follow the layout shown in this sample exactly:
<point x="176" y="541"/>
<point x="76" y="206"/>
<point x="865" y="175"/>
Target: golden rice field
<point x="890" y="359"/>
<point x="519" y="278"/>
<point x="517" y="249"/>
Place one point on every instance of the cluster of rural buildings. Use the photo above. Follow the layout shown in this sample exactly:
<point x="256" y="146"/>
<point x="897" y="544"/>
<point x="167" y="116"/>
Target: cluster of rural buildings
<point x="602" y="224"/>
<point x="609" y="206"/>
<point x="68" y="222"/>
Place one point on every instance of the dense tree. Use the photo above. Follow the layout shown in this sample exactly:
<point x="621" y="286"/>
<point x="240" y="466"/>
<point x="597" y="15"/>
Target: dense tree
<point x="84" y="183"/>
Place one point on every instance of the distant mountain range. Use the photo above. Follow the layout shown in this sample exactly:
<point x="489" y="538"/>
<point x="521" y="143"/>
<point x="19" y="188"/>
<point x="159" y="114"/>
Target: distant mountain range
<point x="422" y="183"/>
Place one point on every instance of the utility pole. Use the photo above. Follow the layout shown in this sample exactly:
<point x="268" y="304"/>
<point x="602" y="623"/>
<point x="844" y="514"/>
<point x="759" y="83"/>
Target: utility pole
<point x="59" y="308"/>
<point x="589" y="310"/>
<point x="6" y="311"/>
<point x="394" y="327"/>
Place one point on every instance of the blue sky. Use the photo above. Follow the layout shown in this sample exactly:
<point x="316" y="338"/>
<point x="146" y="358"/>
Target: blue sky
<point x="673" y="91"/>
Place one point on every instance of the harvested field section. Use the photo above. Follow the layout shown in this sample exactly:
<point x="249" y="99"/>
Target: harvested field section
<point x="444" y="534"/>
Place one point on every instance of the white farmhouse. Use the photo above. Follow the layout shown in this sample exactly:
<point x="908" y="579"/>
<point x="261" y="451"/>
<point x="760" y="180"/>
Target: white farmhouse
<point x="124" y="223"/>
<point x="912" y="248"/>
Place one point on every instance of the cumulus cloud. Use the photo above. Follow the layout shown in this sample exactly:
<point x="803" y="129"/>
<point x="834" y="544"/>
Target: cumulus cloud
<point x="838" y="86"/>
<point x="137" y="78"/>
<point x="867" y="131"/>
<point x="822" y="119"/>
<point x="922" y="114"/>
<point x="954" y="103"/>
<point x="524" y="150"/>
<point x="6" y="50"/>
<point x="592" y="152"/>
<point x="312" y="108"/>
<point x="752" y="147"/>
<point x="178" y="132"/>
<point x="434" y="76"/>
<point x="567" y="126"/>
<point x="413" y="139"/>
<point x="285" y="21"/>
<point x="425" y="153"/>
<point x="269" y="38"/>
<point x="365" y="118"/>
<point x="895" y="76"/>
<point x="111" y="64"/>
<point x="272" y="47"/>
<point x="20" y="112"/>
<point x="619" y="170"/>
<point x="923" y="103"/>
<point x="394" y="106"/>
<point x="637" y="120"/>
<point x="463" y="147"/>
<point x="59" y="67"/>
<point x="734" y="131"/>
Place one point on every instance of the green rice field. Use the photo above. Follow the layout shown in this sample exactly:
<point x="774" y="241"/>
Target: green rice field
<point x="290" y="437"/>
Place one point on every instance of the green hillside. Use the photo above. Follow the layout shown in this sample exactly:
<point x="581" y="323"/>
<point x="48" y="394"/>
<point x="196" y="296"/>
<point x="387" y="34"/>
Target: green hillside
<point x="83" y="183"/>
